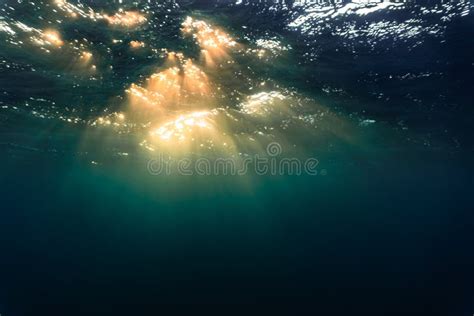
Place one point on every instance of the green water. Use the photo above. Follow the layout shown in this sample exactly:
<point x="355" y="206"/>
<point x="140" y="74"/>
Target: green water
<point x="383" y="226"/>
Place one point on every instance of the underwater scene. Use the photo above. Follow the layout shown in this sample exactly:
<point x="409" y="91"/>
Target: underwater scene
<point x="178" y="157"/>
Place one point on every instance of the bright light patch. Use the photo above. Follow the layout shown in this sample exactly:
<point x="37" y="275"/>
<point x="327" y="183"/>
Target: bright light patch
<point x="137" y="44"/>
<point x="262" y="103"/>
<point x="126" y="19"/>
<point x="214" y="43"/>
<point x="185" y="126"/>
<point x="47" y="38"/>
<point x="53" y="38"/>
<point x="86" y="56"/>
<point x="184" y="83"/>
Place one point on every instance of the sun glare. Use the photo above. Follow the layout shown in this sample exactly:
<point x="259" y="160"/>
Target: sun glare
<point x="183" y="84"/>
<point x="215" y="44"/>
<point x="126" y="19"/>
<point x="52" y="37"/>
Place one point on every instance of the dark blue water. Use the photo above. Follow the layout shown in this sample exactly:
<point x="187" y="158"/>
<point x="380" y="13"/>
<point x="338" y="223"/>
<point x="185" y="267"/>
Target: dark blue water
<point x="385" y="227"/>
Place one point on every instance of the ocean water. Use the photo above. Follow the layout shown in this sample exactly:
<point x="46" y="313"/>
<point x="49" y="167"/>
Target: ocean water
<point x="118" y="123"/>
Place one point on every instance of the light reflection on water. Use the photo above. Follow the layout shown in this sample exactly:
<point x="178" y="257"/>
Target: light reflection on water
<point x="213" y="101"/>
<point x="80" y="121"/>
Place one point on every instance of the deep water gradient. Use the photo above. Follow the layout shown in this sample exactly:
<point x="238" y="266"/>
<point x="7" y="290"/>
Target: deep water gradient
<point x="383" y="100"/>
